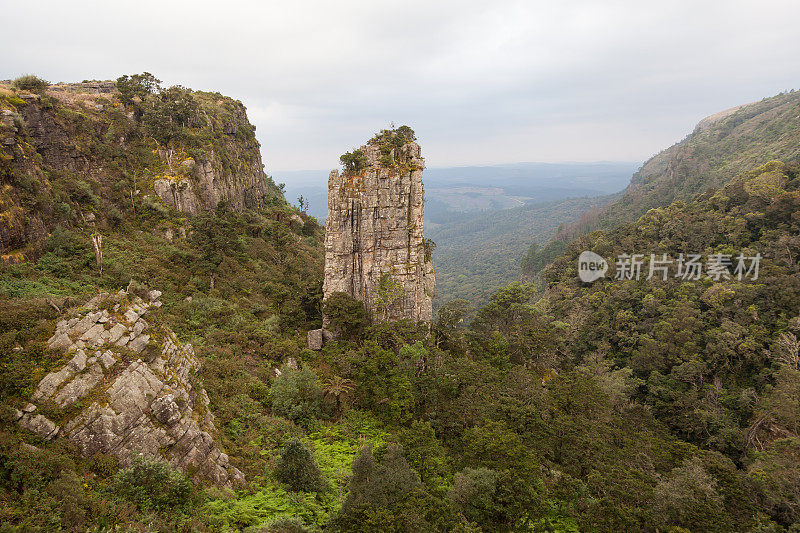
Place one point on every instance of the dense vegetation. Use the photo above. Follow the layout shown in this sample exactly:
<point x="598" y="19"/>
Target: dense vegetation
<point x="477" y="253"/>
<point x="104" y="151"/>
<point x="618" y="406"/>
<point x="714" y="362"/>
<point x="389" y="142"/>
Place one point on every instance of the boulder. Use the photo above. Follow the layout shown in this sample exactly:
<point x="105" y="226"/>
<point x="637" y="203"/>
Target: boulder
<point x="166" y="410"/>
<point x="139" y="327"/>
<point x="77" y="363"/>
<point x="79" y="386"/>
<point x="314" y="339"/>
<point x="39" y="424"/>
<point x="94" y="335"/>
<point x="50" y="383"/>
<point x="83" y="325"/>
<point x="317" y="338"/>
<point x="139" y="343"/>
<point x="188" y="164"/>
<point x="108" y="359"/>
<point x="59" y="340"/>
<point x="123" y="341"/>
<point x="116" y="332"/>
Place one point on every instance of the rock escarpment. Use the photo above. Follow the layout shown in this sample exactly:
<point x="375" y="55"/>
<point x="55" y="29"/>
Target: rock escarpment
<point x="128" y="389"/>
<point x="229" y="171"/>
<point x="85" y="149"/>
<point x="375" y="250"/>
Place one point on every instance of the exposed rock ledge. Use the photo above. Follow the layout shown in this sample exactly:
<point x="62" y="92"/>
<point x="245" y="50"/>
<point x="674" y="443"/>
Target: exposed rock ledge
<point x="127" y="390"/>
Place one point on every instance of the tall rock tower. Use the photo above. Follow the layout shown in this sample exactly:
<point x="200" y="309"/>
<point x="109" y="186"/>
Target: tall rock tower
<point x="374" y="247"/>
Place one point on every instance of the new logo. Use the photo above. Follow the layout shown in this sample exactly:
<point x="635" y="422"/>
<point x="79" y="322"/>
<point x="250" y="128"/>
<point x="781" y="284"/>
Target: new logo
<point x="591" y="267"/>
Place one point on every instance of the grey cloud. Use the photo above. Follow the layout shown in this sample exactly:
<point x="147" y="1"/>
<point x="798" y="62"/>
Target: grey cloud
<point x="481" y="82"/>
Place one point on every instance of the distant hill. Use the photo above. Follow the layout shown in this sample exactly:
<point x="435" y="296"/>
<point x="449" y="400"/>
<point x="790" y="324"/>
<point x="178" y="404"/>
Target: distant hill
<point x="477" y="253"/>
<point x="480" y="188"/>
<point x="720" y="147"/>
<point x="484" y="218"/>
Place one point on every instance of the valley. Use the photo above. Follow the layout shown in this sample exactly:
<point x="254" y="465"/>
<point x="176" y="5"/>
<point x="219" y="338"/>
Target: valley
<point x="183" y="349"/>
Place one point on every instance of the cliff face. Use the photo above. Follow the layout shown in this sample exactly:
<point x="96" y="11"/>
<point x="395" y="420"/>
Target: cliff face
<point x="374" y="246"/>
<point x="235" y="175"/>
<point x="127" y="389"/>
<point x="86" y="150"/>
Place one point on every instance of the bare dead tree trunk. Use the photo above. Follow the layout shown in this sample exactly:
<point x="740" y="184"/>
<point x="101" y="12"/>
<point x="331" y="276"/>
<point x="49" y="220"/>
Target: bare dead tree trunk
<point x="53" y="305"/>
<point x="97" y="243"/>
<point x="133" y="191"/>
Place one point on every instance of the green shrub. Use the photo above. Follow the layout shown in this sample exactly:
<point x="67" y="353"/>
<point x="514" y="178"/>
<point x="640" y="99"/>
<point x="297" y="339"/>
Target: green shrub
<point x="423" y="450"/>
<point x="64" y="242"/>
<point x="284" y="524"/>
<point x="473" y="494"/>
<point x="310" y="227"/>
<point x="82" y="192"/>
<point x="19" y="121"/>
<point x="68" y="490"/>
<point x="104" y="464"/>
<point x="354" y="161"/>
<point x="31" y="83"/>
<point x="137" y="85"/>
<point x="382" y="497"/>
<point x="155" y="207"/>
<point x="298" y="468"/>
<point x="688" y="497"/>
<point x="152" y="484"/>
<point x="348" y="316"/>
<point x="296" y="395"/>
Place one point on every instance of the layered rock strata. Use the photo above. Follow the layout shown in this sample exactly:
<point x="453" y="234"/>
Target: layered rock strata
<point x="127" y="389"/>
<point x="374" y="246"/>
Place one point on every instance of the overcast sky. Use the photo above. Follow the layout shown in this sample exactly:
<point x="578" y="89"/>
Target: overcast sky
<point x="481" y="82"/>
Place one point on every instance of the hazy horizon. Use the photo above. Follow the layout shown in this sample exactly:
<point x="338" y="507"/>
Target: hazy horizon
<point x="297" y="172"/>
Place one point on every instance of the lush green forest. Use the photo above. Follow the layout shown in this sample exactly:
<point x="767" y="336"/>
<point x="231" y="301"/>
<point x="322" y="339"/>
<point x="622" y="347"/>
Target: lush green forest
<point x="637" y="405"/>
<point x="477" y="253"/>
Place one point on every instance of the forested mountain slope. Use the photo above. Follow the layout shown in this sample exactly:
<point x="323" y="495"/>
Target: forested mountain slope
<point x="94" y="153"/>
<point x="239" y="277"/>
<point x="629" y="405"/>
<point x="715" y="361"/>
<point x="477" y="253"/>
<point x="721" y="146"/>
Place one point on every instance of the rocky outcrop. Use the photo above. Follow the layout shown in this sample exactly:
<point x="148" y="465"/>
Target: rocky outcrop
<point x="63" y="152"/>
<point x="92" y="87"/>
<point x="230" y="172"/>
<point x="374" y="246"/>
<point x="127" y="389"/>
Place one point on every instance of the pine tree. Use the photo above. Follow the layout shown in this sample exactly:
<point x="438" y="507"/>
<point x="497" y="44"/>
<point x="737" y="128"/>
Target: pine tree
<point x="298" y="468"/>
